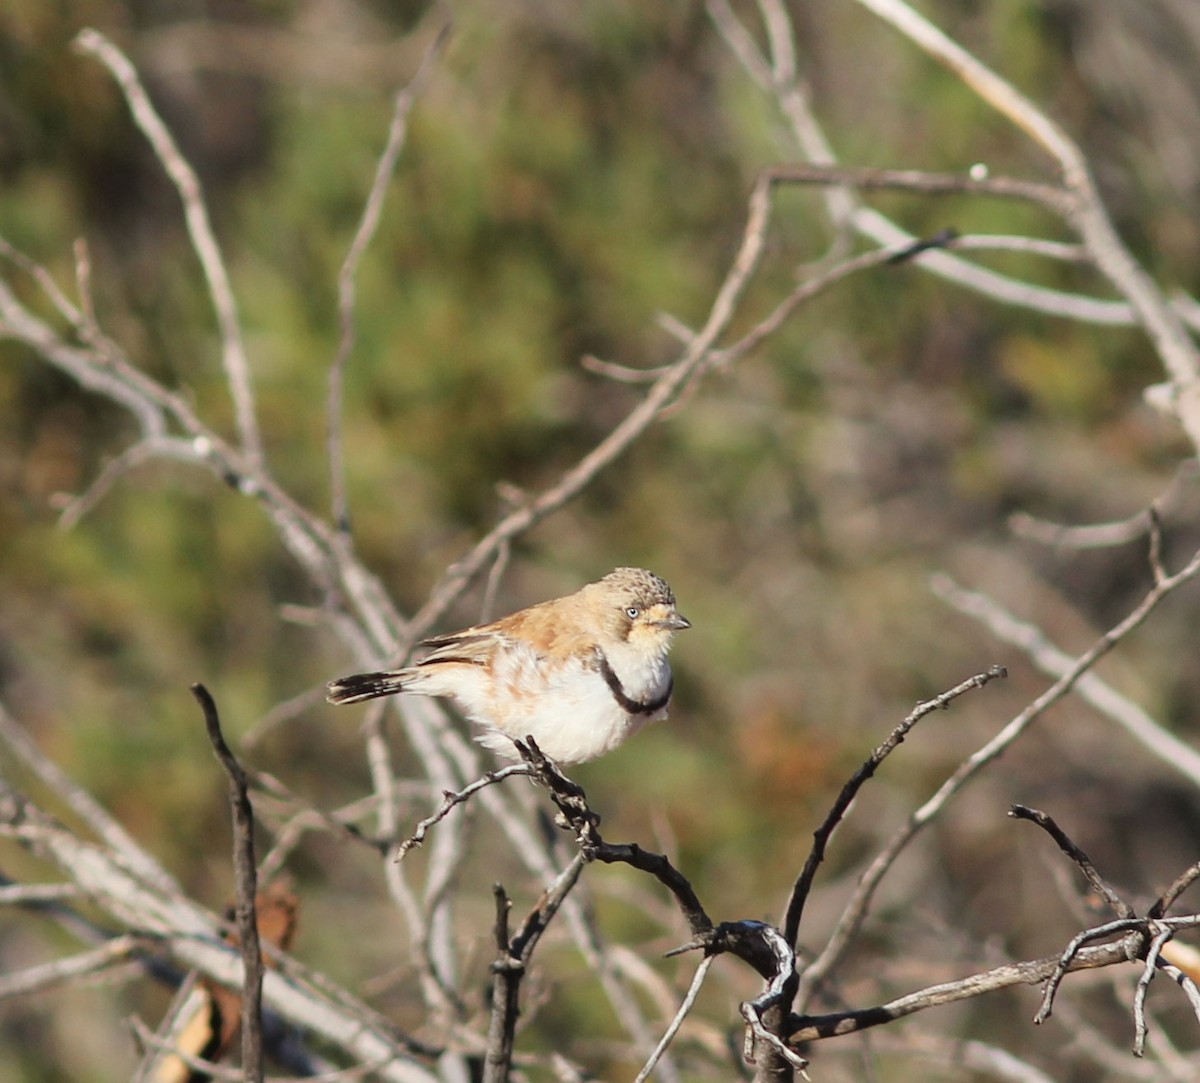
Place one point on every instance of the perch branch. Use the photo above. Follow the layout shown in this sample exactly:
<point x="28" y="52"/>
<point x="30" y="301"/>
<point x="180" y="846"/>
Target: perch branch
<point x="451" y="799"/>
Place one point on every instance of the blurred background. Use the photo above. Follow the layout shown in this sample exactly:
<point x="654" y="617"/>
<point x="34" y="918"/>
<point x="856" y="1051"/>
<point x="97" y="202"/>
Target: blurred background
<point x="572" y="173"/>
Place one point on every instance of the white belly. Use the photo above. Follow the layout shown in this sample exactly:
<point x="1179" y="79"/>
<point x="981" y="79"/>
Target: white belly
<point x="568" y="709"/>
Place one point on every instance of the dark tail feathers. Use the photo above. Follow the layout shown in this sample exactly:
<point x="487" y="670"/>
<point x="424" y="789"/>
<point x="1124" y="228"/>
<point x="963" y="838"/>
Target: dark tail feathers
<point x="361" y="686"/>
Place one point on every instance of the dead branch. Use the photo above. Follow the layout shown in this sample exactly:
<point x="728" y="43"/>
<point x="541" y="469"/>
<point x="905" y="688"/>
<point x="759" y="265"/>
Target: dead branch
<point x="204" y="241"/>
<point x="246" y="882"/>
<point x="451" y="799"/>
<point x="808" y="1028"/>
<point x="800" y="891"/>
<point x="512" y="962"/>
<point x="368" y="225"/>
<point x="1069" y="847"/>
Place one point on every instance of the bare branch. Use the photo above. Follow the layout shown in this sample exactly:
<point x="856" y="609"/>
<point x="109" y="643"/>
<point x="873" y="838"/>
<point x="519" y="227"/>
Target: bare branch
<point x="845" y="211"/>
<point x="110" y="379"/>
<point x="246" y="880"/>
<point x="618" y="440"/>
<point x="1102" y="888"/>
<point x="685" y="1007"/>
<point x="578" y="816"/>
<point x="121" y="844"/>
<point x="513" y="961"/>
<point x="800" y="891"/>
<point x="1181" y="883"/>
<point x="191" y="935"/>
<point x="1062" y="251"/>
<point x="1078" y="669"/>
<point x="1162" y="322"/>
<point x="363" y="235"/>
<point x="1063" y="966"/>
<point x="1141" y="1030"/>
<point x="453" y="798"/>
<point x="766" y="1015"/>
<point x="35" y="979"/>
<point x="812" y="1028"/>
<point x="1054" y="662"/>
<point x="35" y="895"/>
<point x="204" y="241"/>
<point x="921" y="182"/>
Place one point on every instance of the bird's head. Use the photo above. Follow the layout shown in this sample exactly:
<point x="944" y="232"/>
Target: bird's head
<point x="638" y="608"/>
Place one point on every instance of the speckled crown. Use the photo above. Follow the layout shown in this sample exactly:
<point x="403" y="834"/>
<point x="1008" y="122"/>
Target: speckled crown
<point x="645" y="584"/>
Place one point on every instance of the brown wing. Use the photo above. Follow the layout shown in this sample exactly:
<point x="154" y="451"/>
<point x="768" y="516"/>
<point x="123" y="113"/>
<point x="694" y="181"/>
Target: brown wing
<point x="474" y="646"/>
<point x="554" y="629"/>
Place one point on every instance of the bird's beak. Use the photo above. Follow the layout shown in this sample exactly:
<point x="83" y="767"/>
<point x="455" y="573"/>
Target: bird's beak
<point x="675" y="622"/>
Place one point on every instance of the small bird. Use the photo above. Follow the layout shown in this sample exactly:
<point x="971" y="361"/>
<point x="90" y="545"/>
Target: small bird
<point x="578" y="674"/>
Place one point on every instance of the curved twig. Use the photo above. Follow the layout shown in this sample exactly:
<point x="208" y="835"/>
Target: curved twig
<point x="204" y="240"/>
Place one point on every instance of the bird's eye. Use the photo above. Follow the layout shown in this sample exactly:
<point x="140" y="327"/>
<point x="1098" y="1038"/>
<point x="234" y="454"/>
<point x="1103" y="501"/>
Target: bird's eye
<point x="633" y="612"/>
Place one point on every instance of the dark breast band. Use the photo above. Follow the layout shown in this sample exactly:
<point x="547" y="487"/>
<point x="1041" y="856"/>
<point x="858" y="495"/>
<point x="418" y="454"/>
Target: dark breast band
<point x="631" y="706"/>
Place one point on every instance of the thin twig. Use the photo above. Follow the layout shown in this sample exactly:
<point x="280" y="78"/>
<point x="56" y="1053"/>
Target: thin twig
<point x="487" y="608"/>
<point x="42" y="276"/>
<point x="160" y="447"/>
<point x="1157" y="567"/>
<point x="921" y="182"/>
<point x="811" y="1028"/>
<point x="1116" y="532"/>
<point x="83" y="281"/>
<point x="36" y="979"/>
<point x="1064" y="842"/>
<point x="460" y="575"/>
<point x="1054" y="662"/>
<point x="803" y="292"/>
<point x="1073" y="675"/>
<point x="1140" y="1027"/>
<point x="623" y="374"/>
<point x="685" y="1007"/>
<point x="803" y="884"/>
<point x="368" y="224"/>
<point x="204" y="241"/>
<point x="451" y="799"/>
<point x="1181" y="883"/>
<point x="245" y="877"/>
<point x="1073" y="948"/>
<point x="1085" y="536"/>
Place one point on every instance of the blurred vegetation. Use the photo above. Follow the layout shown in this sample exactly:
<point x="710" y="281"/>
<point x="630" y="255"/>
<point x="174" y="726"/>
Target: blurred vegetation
<point x="571" y="173"/>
